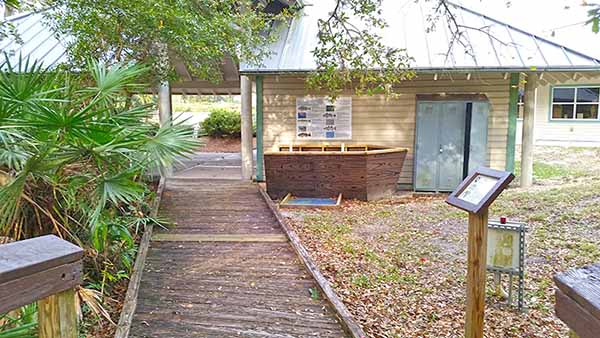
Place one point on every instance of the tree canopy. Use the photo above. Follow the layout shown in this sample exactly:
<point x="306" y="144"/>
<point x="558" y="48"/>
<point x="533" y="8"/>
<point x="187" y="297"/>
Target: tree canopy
<point x="162" y="32"/>
<point x="200" y="34"/>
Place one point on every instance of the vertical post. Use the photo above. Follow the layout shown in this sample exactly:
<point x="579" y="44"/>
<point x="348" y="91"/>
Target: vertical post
<point x="57" y="315"/>
<point x="476" y="257"/>
<point x="512" y="121"/>
<point x="528" y="123"/>
<point x="259" y="129"/>
<point x="165" y="115"/>
<point x="246" y="112"/>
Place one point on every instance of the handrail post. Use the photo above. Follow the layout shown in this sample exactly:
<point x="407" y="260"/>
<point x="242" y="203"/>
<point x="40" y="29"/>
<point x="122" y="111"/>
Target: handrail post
<point x="57" y="315"/>
<point x="46" y="270"/>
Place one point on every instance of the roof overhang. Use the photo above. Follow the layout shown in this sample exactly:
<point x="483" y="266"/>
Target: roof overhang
<point x="441" y="70"/>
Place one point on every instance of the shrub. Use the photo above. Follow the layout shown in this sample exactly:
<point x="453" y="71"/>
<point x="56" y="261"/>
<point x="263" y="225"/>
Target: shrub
<point x="74" y="154"/>
<point x="222" y="122"/>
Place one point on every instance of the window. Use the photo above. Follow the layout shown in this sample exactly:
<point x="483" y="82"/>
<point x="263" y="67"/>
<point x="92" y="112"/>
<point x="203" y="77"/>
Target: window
<point x="575" y="103"/>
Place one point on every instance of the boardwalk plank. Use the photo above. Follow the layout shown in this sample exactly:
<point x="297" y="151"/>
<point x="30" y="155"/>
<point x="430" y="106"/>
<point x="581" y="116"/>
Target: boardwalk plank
<point x="195" y="287"/>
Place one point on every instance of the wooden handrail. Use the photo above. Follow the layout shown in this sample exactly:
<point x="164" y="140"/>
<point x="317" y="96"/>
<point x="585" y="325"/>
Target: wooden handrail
<point x="45" y="269"/>
<point x="578" y="300"/>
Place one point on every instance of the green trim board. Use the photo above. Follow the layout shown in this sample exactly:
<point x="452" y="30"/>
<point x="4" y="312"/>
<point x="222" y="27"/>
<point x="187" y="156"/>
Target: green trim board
<point x="260" y="154"/>
<point x="512" y="121"/>
<point x="551" y="99"/>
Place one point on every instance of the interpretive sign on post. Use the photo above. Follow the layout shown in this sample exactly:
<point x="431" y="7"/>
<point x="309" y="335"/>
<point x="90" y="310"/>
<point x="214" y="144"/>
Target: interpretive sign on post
<point x="319" y="118"/>
<point x="475" y="194"/>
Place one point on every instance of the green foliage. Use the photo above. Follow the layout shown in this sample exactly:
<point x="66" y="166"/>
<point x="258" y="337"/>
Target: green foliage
<point x="222" y="122"/>
<point x="75" y="152"/>
<point x="19" y="324"/>
<point x="594" y="15"/>
<point x="350" y="52"/>
<point x="161" y="32"/>
<point x="314" y="294"/>
<point x="7" y="29"/>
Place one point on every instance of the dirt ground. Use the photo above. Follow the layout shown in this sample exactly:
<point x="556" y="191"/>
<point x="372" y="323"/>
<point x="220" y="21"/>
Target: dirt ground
<point x="221" y="144"/>
<point x="399" y="264"/>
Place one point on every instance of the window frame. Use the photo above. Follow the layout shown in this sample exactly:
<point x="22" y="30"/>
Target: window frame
<point x="551" y="104"/>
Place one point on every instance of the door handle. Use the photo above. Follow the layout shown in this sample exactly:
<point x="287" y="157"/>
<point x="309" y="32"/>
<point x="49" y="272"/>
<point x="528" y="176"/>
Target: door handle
<point x="441" y="150"/>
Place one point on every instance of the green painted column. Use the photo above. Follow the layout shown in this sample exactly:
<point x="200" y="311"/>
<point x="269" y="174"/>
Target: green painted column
<point x="259" y="130"/>
<point x="512" y="121"/>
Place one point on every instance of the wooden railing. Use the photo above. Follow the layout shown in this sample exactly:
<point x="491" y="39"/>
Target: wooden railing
<point x="578" y="300"/>
<point x="45" y="269"/>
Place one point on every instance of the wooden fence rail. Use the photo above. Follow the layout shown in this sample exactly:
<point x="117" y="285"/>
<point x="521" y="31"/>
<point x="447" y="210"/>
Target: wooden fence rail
<point x="578" y="300"/>
<point x="44" y="269"/>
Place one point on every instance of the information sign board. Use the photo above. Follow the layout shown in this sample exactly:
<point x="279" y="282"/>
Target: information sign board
<point x="320" y="118"/>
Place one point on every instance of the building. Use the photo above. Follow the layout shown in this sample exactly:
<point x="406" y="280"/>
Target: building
<point x="477" y="82"/>
<point x="460" y="92"/>
<point x="566" y="112"/>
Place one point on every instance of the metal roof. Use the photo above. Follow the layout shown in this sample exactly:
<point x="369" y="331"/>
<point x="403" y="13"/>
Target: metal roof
<point x="38" y="41"/>
<point x="496" y="46"/>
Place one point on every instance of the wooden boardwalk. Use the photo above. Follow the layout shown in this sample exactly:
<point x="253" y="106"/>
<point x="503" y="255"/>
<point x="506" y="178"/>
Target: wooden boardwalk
<point x="226" y="270"/>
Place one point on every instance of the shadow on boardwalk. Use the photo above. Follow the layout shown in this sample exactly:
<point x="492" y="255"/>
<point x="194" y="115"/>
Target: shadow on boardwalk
<point x="226" y="270"/>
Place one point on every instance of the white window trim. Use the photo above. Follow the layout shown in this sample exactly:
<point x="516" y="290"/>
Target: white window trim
<point x="574" y="103"/>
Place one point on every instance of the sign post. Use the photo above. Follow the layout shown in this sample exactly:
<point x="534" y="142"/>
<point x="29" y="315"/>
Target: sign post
<point x="475" y="194"/>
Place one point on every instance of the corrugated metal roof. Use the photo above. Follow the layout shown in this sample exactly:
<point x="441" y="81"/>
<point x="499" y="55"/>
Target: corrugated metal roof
<point x="38" y="41"/>
<point x="496" y="45"/>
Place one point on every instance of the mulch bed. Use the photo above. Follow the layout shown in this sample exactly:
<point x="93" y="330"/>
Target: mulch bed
<point x="221" y="144"/>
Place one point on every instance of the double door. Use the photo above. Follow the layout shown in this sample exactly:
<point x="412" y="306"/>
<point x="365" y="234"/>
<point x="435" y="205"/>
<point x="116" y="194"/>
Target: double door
<point x="451" y="141"/>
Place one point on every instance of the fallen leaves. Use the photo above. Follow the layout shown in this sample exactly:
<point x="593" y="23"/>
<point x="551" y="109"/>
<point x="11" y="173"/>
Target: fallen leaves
<point x="400" y="267"/>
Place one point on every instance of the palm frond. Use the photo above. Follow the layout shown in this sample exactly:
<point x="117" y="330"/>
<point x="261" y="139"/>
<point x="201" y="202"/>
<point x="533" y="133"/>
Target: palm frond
<point x="167" y="145"/>
<point x="10" y="195"/>
<point x="119" y="188"/>
<point x="28" y="85"/>
<point x="93" y="299"/>
<point x="112" y="81"/>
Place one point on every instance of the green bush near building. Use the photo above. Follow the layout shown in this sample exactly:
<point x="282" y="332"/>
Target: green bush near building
<point x="222" y="122"/>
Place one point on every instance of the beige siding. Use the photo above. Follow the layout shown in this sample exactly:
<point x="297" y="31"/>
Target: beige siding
<point x="388" y="122"/>
<point x="561" y="132"/>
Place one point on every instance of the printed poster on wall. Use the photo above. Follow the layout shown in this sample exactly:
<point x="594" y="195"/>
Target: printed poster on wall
<point x="318" y="118"/>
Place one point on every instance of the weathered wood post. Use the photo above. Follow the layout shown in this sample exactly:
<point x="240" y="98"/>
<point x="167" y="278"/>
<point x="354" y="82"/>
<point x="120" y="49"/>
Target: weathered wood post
<point x="246" y="112"/>
<point x="476" y="265"/>
<point x="44" y="269"/>
<point x="165" y="114"/>
<point x="475" y="194"/>
<point x="57" y="315"/>
<point x="528" y="140"/>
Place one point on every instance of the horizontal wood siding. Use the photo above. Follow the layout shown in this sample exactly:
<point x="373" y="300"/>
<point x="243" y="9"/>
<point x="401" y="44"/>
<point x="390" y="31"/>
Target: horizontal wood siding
<point x="388" y="122"/>
<point x="547" y="131"/>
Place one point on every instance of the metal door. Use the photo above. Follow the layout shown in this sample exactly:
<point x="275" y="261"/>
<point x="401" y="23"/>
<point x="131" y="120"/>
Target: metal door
<point x="451" y="145"/>
<point x="427" y="146"/>
<point x="478" y="148"/>
<point x="440" y="143"/>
